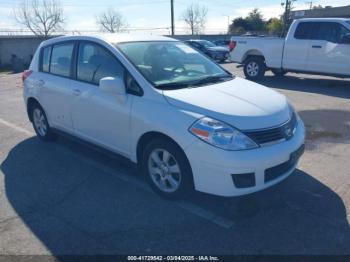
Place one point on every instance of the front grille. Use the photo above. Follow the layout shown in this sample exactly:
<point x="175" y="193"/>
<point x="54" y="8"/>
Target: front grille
<point x="283" y="132"/>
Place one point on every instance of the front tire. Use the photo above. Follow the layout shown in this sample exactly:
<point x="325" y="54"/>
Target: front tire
<point x="40" y="123"/>
<point x="254" y="68"/>
<point x="167" y="169"/>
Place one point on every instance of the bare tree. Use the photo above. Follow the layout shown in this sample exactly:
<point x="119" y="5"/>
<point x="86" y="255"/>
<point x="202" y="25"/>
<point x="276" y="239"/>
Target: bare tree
<point x="111" y="21"/>
<point x="41" y="17"/>
<point x="195" y="16"/>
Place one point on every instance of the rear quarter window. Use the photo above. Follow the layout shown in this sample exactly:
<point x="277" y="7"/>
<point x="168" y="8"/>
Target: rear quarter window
<point x="45" y="59"/>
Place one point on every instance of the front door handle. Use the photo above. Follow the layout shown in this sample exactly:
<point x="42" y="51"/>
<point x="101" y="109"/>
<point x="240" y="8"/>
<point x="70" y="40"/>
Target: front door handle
<point x="316" y="46"/>
<point x="76" y="92"/>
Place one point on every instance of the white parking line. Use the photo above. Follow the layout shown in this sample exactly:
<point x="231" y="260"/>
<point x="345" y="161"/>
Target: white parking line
<point x="188" y="206"/>
<point x="17" y="128"/>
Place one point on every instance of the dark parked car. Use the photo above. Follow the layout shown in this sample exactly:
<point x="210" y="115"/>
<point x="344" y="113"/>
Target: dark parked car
<point x="217" y="53"/>
<point x="223" y="43"/>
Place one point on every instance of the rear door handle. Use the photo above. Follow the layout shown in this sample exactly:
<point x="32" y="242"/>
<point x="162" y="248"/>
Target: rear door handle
<point x="76" y="92"/>
<point x="316" y="46"/>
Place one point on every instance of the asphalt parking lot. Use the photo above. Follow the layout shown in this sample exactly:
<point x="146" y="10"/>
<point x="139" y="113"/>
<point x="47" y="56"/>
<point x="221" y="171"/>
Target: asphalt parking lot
<point x="65" y="198"/>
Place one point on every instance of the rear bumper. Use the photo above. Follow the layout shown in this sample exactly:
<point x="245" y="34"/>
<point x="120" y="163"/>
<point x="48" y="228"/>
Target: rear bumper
<point x="214" y="169"/>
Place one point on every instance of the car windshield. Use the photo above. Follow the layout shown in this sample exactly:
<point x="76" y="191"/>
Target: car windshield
<point x="173" y="64"/>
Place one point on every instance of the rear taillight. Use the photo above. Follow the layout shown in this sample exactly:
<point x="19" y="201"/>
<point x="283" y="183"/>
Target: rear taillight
<point x="26" y="74"/>
<point x="232" y="45"/>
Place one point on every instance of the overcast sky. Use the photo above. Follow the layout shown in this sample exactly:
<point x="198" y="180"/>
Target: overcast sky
<point x="80" y="14"/>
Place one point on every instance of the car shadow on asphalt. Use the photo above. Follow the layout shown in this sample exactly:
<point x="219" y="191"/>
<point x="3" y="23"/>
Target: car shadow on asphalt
<point x="42" y="180"/>
<point x="330" y="87"/>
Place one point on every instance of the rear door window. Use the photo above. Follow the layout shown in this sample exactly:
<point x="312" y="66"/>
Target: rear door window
<point x="61" y="59"/>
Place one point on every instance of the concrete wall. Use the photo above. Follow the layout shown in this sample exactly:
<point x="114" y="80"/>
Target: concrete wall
<point x="23" y="47"/>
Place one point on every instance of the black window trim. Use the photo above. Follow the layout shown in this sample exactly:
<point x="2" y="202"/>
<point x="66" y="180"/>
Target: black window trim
<point x="52" y="47"/>
<point x="74" y="63"/>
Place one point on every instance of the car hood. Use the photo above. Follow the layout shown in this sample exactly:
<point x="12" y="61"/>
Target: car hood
<point x="218" y="48"/>
<point x="239" y="102"/>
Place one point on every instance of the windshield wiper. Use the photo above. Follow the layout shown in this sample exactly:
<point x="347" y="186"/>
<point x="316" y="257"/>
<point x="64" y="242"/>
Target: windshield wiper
<point x="212" y="79"/>
<point x="202" y="81"/>
<point x="172" y="86"/>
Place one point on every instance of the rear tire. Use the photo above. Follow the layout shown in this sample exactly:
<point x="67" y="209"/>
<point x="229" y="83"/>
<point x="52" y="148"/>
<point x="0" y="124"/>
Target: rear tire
<point x="254" y="68"/>
<point x="278" y="72"/>
<point x="40" y="123"/>
<point x="167" y="169"/>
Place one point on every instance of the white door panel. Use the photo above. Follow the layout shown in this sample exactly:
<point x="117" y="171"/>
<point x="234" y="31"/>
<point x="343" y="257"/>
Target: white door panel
<point x="328" y="57"/>
<point x="327" y="53"/>
<point x="295" y="54"/>
<point x="56" y="99"/>
<point x="101" y="117"/>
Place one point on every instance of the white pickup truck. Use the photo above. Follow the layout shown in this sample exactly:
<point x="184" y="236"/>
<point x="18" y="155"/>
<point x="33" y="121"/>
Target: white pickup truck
<point x="312" y="45"/>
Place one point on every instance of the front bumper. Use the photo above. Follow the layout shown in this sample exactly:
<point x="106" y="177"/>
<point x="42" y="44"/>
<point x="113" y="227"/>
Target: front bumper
<point x="213" y="168"/>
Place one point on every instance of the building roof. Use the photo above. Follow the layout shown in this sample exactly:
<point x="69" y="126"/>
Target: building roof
<point x="339" y="11"/>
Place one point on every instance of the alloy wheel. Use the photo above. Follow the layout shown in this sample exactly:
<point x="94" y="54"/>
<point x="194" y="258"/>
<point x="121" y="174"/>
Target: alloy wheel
<point x="39" y="122"/>
<point x="253" y="69"/>
<point x="164" y="170"/>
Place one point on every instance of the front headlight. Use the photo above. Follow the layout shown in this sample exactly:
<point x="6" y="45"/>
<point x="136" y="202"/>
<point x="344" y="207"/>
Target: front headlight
<point x="221" y="135"/>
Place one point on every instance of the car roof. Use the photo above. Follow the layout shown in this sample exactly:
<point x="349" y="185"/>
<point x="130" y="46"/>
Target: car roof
<point x="111" y="38"/>
<point x="322" y="19"/>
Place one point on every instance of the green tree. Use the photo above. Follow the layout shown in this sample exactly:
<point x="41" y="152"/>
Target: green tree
<point x="255" y="20"/>
<point x="239" y="25"/>
<point x="275" y="26"/>
<point x="317" y="7"/>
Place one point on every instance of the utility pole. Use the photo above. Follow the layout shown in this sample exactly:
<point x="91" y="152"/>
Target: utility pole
<point x="172" y="17"/>
<point x="228" y="22"/>
<point x="287" y="5"/>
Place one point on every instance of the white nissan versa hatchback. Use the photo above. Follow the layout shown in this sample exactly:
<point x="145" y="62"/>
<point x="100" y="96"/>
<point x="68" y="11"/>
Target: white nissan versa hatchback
<point x="185" y="120"/>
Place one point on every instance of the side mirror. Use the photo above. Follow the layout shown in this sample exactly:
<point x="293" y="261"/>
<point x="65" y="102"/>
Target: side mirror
<point x="114" y="85"/>
<point x="345" y="39"/>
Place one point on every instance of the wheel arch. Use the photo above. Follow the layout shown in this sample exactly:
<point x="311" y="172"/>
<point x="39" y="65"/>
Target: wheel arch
<point x="253" y="52"/>
<point x="149" y="136"/>
<point x="31" y="101"/>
